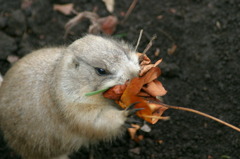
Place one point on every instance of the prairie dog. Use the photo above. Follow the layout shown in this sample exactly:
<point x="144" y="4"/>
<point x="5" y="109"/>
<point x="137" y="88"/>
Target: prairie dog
<point x="44" y="112"/>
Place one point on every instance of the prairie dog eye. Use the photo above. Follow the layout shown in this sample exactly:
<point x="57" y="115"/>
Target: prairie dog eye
<point x="101" y="71"/>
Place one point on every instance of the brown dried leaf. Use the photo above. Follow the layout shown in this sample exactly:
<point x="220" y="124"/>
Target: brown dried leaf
<point x="172" y="49"/>
<point x="135" y="150"/>
<point x="155" y="88"/>
<point x="106" y="25"/>
<point x="145" y="63"/>
<point x="115" y="92"/>
<point x="153" y="107"/>
<point x="109" y="5"/>
<point x="12" y="59"/>
<point x="152" y="112"/>
<point x="143" y="89"/>
<point x="66" y="9"/>
<point x="145" y="68"/>
<point x="157" y="52"/>
<point x="132" y="131"/>
<point x="143" y="59"/>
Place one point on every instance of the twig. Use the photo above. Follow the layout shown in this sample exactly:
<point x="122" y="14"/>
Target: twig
<point x="157" y="117"/>
<point x="93" y="17"/>
<point x="150" y="44"/>
<point x="130" y="9"/>
<point x="139" y="39"/>
<point x="166" y="34"/>
<point x="74" y="11"/>
<point x="202" y="114"/>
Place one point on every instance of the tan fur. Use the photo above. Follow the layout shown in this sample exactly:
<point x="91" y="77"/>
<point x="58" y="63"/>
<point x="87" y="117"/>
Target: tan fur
<point x="44" y="112"/>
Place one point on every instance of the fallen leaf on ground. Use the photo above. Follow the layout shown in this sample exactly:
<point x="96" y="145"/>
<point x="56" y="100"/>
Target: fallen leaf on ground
<point x="66" y="9"/>
<point x="136" y="150"/>
<point x="106" y="25"/>
<point x="159" y="17"/>
<point x="109" y="5"/>
<point x="132" y="131"/>
<point x="12" y="59"/>
<point x="157" y="52"/>
<point x="160" y="141"/>
<point x="172" y="49"/>
<point x="172" y="10"/>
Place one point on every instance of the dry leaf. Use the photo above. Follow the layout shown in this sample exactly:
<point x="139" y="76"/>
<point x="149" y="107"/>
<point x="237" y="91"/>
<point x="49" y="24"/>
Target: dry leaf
<point x="172" y="49"/>
<point x="78" y="18"/>
<point x="12" y="59"/>
<point x="136" y="150"/>
<point x="133" y="93"/>
<point x="145" y="63"/>
<point x="144" y="90"/>
<point x="172" y="10"/>
<point x="109" y="5"/>
<point x="132" y="131"/>
<point x="157" y="52"/>
<point x="66" y="9"/>
<point x="159" y="17"/>
<point x="160" y="141"/>
<point x="115" y="92"/>
<point x="143" y="59"/>
<point x="106" y="25"/>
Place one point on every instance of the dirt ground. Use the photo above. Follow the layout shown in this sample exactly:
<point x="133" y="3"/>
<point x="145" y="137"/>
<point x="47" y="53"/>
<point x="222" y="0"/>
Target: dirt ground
<point x="202" y="73"/>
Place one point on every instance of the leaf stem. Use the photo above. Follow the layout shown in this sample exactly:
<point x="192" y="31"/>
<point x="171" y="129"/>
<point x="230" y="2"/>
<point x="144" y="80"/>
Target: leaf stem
<point x="156" y="117"/>
<point x="203" y="114"/>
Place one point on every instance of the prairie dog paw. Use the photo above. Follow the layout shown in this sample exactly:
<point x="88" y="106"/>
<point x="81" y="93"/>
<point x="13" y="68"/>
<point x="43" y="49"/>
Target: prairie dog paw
<point x="130" y="112"/>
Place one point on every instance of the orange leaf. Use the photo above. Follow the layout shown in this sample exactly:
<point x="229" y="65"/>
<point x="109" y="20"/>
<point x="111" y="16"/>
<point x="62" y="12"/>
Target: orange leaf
<point x="155" y="88"/>
<point x="144" y="60"/>
<point x="132" y="131"/>
<point x="115" y="92"/>
<point x="108" y="24"/>
<point x="143" y="90"/>
<point x="64" y="8"/>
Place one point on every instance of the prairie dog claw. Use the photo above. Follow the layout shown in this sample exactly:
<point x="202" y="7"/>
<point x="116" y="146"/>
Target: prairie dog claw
<point x="131" y="110"/>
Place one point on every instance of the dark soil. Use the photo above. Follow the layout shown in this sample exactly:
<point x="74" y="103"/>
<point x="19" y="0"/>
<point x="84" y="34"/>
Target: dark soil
<point x="203" y="73"/>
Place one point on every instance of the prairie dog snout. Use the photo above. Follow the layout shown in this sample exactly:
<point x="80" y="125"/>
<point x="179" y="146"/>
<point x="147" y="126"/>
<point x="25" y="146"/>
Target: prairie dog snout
<point x="44" y="112"/>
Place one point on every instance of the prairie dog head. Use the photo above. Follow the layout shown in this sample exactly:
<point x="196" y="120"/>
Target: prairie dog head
<point x="94" y="62"/>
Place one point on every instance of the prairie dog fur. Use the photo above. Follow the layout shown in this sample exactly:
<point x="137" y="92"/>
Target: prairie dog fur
<point x="44" y="113"/>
